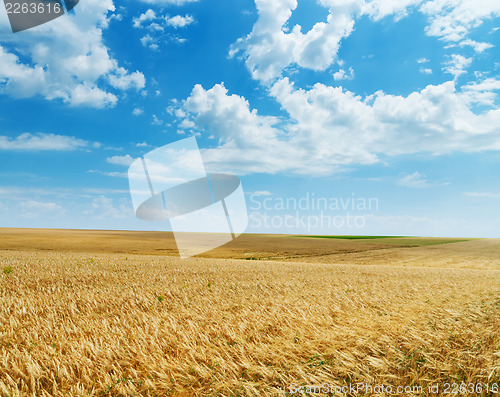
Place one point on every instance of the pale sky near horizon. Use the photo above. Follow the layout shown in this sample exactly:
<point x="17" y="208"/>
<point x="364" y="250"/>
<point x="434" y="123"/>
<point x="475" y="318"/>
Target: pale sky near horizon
<point x="349" y="102"/>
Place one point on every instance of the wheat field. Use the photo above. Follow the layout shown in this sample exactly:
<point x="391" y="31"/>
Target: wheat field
<point x="104" y="322"/>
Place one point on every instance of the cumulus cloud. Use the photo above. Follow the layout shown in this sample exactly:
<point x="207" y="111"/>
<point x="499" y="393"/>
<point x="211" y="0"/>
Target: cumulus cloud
<point x="150" y="42"/>
<point x="67" y="60"/>
<point x="149" y="15"/>
<point x="37" y="142"/>
<point x="482" y="92"/>
<point x="91" y="96"/>
<point x="457" y="65"/>
<point x="121" y="160"/>
<point x="488" y="85"/>
<point x="151" y="21"/>
<point x="330" y="128"/>
<point x="343" y="75"/>
<point x="378" y="9"/>
<point x="272" y="46"/>
<point x="268" y="49"/>
<point x="415" y="180"/>
<point x="156" y="24"/>
<point x="242" y="132"/>
<point x="477" y="46"/>
<point x="179" y="21"/>
<point x="452" y="21"/>
<point x="124" y="80"/>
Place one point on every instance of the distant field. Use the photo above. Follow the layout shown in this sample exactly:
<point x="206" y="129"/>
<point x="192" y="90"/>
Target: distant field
<point x="398" y="240"/>
<point x="353" y="237"/>
<point x="249" y="246"/>
<point x="105" y="313"/>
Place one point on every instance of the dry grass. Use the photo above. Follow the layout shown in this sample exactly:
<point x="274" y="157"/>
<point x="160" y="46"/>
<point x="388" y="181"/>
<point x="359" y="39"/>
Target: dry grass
<point x="83" y="324"/>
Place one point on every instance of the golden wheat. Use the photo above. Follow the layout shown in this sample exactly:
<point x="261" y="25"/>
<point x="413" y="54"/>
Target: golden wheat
<point x="81" y="324"/>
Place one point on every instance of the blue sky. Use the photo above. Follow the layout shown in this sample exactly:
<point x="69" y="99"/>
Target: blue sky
<point x="343" y="100"/>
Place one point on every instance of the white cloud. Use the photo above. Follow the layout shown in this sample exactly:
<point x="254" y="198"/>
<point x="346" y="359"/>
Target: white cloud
<point x="250" y="142"/>
<point x="477" y="46"/>
<point x="150" y="42"/>
<point x="155" y="24"/>
<point x="177" y="39"/>
<point x="486" y="84"/>
<point x="124" y="80"/>
<point x="425" y="70"/>
<point x="253" y="143"/>
<point x="137" y="111"/>
<point x="178" y="21"/>
<point x="482" y="92"/>
<point x="343" y="75"/>
<point x="117" y="17"/>
<point x="41" y="141"/>
<point x="104" y="208"/>
<point x="143" y="144"/>
<point x="156" y="120"/>
<point x="423" y="60"/>
<point x="35" y="209"/>
<point x="262" y="193"/>
<point x="379" y="9"/>
<point x="85" y="95"/>
<point x="457" y="65"/>
<point x="38" y="205"/>
<point x="149" y="15"/>
<point x="272" y="46"/>
<point x="415" y="180"/>
<point x="268" y="49"/>
<point x="20" y="80"/>
<point x="113" y="174"/>
<point x="489" y="84"/>
<point x="65" y="59"/>
<point x="186" y="124"/>
<point x="452" y="20"/>
<point x="330" y="128"/>
<point x="121" y="160"/>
